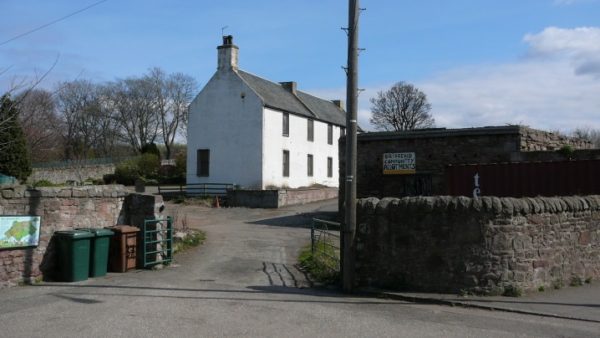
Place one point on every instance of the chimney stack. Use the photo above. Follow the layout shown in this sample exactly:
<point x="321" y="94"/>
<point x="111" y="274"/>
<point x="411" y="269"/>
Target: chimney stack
<point x="228" y="54"/>
<point x="340" y="104"/>
<point x="289" y="86"/>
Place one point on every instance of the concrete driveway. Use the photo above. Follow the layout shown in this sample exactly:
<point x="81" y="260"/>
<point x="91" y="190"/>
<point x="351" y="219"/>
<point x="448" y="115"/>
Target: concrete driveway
<point x="243" y="282"/>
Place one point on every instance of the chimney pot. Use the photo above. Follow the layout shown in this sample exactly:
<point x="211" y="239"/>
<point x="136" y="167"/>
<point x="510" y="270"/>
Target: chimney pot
<point x="227" y="40"/>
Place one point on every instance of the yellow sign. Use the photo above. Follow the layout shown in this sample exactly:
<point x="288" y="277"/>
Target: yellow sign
<point x="399" y="163"/>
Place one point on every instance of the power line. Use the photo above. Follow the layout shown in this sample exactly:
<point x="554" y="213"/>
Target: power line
<point x="52" y="23"/>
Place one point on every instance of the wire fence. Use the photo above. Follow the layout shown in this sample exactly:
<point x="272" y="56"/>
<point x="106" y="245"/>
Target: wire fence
<point x="325" y="243"/>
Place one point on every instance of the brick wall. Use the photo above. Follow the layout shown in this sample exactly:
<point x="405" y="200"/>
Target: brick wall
<point x="482" y="245"/>
<point x="65" y="209"/>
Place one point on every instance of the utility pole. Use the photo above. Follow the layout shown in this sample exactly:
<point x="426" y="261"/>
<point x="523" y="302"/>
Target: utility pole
<point x="349" y="229"/>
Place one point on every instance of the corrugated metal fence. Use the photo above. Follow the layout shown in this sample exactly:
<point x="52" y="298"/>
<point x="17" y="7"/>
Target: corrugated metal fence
<point x="561" y="178"/>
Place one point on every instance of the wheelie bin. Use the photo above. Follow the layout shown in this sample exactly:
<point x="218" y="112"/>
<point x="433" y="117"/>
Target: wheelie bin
<point x="73" y="251"/>
<point x="99" y="247"/>
<point x="123" y="248"/>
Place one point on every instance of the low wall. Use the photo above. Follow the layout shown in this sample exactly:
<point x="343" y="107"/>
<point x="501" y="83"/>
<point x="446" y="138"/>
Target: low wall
<point x="278" y="198"/>
<point x="65" y="209"/>
<point x="484" y="245"/>
<point x="74" y="173"/>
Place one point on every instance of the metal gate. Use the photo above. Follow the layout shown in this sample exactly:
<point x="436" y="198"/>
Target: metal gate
<point x="325" y="243"/>
<point x="157" y="246"/>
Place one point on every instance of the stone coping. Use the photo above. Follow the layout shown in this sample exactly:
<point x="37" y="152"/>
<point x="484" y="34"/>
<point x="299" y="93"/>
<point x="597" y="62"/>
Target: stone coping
<point x="97" y="191"/>
<point x="493" y="205"/>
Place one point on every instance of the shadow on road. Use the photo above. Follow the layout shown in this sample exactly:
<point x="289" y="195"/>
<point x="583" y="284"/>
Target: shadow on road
<point x="328" y="297"/>
<point x="303" y="220"/>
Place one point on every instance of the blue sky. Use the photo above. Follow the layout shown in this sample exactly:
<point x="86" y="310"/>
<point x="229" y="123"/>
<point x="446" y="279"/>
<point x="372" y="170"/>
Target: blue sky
<point x="481" y="62"/>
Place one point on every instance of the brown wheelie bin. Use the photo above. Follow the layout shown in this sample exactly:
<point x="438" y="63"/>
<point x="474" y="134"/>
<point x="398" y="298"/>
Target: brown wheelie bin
<point x="123" y="248"/>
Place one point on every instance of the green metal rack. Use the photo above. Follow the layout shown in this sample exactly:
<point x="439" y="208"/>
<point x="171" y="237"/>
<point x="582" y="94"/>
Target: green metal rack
<point x="157" y="246"/>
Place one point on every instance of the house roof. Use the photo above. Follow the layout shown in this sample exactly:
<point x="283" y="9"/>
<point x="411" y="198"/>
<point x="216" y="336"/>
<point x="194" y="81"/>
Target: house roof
<point x="274" y="95"/>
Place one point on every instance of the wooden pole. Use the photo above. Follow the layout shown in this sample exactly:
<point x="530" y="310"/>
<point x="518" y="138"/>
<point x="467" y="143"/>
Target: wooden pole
<point x="351" y="114"/>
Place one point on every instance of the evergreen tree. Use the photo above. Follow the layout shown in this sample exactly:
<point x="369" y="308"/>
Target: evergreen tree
<point x="14" y="157"/>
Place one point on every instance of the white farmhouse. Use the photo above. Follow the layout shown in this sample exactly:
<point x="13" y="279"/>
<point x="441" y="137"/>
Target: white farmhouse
<point x="255" y="133"/>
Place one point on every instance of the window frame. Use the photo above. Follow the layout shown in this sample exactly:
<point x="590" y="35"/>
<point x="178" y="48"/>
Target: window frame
<point x="286" y="163"/>
<point x="310" y="161"/>
<point x="310" y="130"/>
<point x="329" y="166"/>
<point x="203" y="162"/>
<point x="285" y="120"/>
<point x="329" y="133"/>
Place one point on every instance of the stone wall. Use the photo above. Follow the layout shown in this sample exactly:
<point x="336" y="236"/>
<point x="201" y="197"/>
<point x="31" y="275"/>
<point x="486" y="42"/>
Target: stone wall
<point x="278" y="198"/>
<point x="65" y="209"/>
<point x="539" y="140"/>
<point x="485" y="245"/>
<point x="74" y="173"/>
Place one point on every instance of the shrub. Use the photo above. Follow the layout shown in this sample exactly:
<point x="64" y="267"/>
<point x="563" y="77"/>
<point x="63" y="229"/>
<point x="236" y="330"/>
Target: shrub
<point x="181" y="164"/>
<point x="109" y="179"/>
<point x="566" y="150"/>
<point x="126" y="172"/>
<point x="148" y="165"/>
<point x="576" y="281"/>
<point x="512" y="291"/>
<point x="143" y="167"/>
<point x="150" y="148"/>
<point x="44" y="183"/>
<point x="557" y="284"/>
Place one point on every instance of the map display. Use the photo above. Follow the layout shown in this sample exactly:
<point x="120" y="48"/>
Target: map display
<point x="19" y="231"/>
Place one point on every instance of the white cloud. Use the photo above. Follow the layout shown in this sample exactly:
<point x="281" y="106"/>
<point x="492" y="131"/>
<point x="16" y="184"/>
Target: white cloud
<point x="581" y="46"/>
<point x="556" y="87"/>
<point x="546" y="95"/>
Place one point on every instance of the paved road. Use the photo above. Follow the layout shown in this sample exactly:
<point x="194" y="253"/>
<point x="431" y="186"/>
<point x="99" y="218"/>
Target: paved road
<point x="243" y="282"/>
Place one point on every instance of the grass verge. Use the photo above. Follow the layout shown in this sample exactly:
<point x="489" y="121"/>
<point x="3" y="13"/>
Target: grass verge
<point x="320" y="265"/>
<point x="192" y="239"/>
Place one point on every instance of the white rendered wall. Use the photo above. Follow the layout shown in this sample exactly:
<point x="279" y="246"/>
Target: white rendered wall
<point x="226" y="117"/>
<point x="299" y="147"/>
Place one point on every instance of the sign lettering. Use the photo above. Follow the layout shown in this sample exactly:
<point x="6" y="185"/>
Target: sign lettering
<point x="399" y="163"/>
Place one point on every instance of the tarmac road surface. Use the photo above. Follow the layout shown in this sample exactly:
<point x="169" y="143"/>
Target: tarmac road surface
<point x="243" y="282"/>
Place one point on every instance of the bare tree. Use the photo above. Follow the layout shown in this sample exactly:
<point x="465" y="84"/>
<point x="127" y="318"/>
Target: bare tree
<point x="89" y="128"/>
<point x="402" y="107"/>
<point x="40" y="124"/>
<point x="133" y="101"/>
<point x="592" y="135"/>
<point x="173" y="94"/>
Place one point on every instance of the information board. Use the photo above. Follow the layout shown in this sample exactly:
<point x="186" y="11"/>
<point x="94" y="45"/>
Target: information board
<point x="399" y="163"/>
<point x="19" y="231"/>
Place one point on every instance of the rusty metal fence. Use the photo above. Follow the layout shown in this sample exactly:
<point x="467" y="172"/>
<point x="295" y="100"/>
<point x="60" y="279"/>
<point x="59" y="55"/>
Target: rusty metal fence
<point x="325" y="243"/>
<point x="525" y="179"/>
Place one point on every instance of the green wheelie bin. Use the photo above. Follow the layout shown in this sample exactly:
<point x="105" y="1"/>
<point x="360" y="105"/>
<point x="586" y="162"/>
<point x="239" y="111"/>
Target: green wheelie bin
<point x="73" y="254"/>
<point x="99" y="250"/>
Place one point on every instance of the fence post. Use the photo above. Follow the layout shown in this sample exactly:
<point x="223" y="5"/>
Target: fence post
<point x="312" y="238"/>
